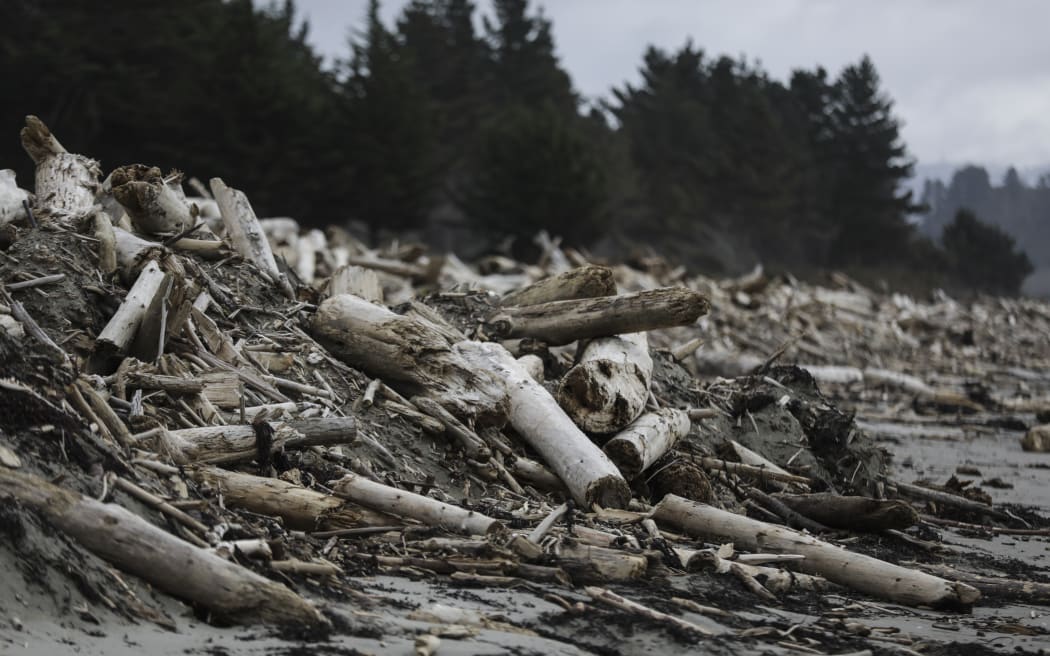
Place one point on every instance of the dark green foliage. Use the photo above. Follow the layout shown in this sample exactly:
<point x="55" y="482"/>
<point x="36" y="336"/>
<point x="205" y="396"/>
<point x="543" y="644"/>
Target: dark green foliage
<point x="390" y="167"/>
<point x="983" y="256"/>
<point x="538" y="171"/>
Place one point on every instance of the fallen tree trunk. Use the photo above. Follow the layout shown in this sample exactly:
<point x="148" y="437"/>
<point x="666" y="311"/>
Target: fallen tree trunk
<point x="414" y="506"/>
<point x="588" y="281"/>
<point x="856" y="571"/>
<point x="158" y="557"/>
<point x="301" y="509"/>
<point x="65" y="183"/>
<point x="588" y="473"/>
<point x="397" y="348"/>
<point x="562" y="322"/>
<point x="646" y="440"/>
<point x="245" y="233"/>
<point x="609" y="386"/>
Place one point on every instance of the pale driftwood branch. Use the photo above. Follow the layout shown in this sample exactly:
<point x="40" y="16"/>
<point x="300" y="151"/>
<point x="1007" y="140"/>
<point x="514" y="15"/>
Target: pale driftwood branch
<point x="535" y="415"/>
<point x="856" y="571"/>
<point x="562" y="322"/>
<point x="610" y="598"/>
<point x="948" y="499"/>
<point x="161" y="559"/>
<point x="118" y="334"/>
<point x="301" y="509"/>
<point x="751" y="471"/>
<point x="609" y="386"/>
<point x="645" y="441"/>
<point x="245" y="233"/>
<point x="398" y="348"/>
<point x="583" y="282"/>
<point x="153" y="206"/>
<point x="12" y="198"/>
<point x="227" y="444"/>
<point x="65" y="183"/>
<point x="107" y="244"/>
<point x="414" y="506"/>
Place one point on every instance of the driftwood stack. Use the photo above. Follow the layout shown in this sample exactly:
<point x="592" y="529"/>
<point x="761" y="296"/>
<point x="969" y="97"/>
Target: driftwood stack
<point x="185" y="386"/>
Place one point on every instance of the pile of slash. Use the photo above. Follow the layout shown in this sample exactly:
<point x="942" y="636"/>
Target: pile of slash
<point x="208" y="420"/>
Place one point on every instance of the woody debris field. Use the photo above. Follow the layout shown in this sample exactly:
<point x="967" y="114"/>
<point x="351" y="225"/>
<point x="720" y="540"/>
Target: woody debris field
<point x="225" y="434"/>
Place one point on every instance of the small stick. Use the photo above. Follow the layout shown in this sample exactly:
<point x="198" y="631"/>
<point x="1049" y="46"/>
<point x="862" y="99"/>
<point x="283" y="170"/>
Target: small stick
<point x="35" y="282"/>
<point x="163" y="506"/>
<point x="548" y="521"/>
<point x="33" y="328"/>
<point x="716" y="464"/>
<point x="351" y="532"/>
<point x="610" y="598"/>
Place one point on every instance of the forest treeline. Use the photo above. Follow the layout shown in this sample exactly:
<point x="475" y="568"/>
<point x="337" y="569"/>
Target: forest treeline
<point x="471" y="132"/>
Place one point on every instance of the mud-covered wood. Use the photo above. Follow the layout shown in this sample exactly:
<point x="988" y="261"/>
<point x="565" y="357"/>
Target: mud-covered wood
<point x="562" y="322"/>
<point x="582" y="282"/>
<point x="851" y="512"/>
<point x="177" y="567"/>
<point x="153" y="206"/>
<point x="609" y="386"/>
<point x="859" y="572"/>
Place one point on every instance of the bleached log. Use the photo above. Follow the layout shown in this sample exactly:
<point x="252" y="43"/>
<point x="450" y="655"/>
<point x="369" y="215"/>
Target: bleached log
<point x="856" y="571"/>
<point x="749" y="457"/>
<point x="610" y="564"/>
<point x="301" y="509"/>
<point x="231" y="443"/>
<point x="152" y="204"/>
<point x="535" y="474"/>
<point x="65" y="183"/>
<point x="306" y="250"/>
<point x="562" y="322"/>
<point x="356" y="280"/>
<point x="245" y="233"/>
<point x="12" y="198"/>
<point x="177" y="567"/>
<point x="646" y="440"/>
<point x="394" y="267"/>
<point x="107" y="244"/>
<point x="588" y="473"/>
<point x="118" y="334"/>
<point x="132" y="252"/>
<point x="402" y="503"/>
<point x="897" y="379"/>
<point x="583" y="282"/>
<point x="834" y="375"/>
<point x="397" y="348"/>
<point x="609" y="386"/>
<point x="533" y="365"/>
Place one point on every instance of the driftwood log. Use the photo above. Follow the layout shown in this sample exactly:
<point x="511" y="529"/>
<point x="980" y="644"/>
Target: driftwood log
<point x="582" y="282"/>
<point x="404" y="350"/>
<point x="646" y="440"/>
<point x="117" y="336"/>
<point x="301" y="509"/>
<point x="609" y="386"/>
<point x="562" y="322"/>
<point x="65" y="183"/>
<point x="153" y="206"/>
<point x="234" y="443"/>
<point x="245" y="233"/>
<point x="402" y="503"/>
<point x="158" y="557"/>
<point x="588" y="473"/>
<point x="856" y="571"/>
<point x="851" y="512"/>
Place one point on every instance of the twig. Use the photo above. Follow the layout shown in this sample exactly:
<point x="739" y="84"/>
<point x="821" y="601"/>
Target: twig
<point x="610" y="598"/>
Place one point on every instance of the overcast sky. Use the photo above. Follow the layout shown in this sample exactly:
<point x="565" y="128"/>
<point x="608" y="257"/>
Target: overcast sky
<point x="971" y="78"/>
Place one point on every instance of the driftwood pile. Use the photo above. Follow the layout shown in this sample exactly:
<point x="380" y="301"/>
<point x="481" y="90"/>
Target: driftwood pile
<point x="221" y="404"/>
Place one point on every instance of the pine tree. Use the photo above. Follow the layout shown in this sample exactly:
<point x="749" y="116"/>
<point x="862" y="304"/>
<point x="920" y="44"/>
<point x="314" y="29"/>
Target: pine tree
<point x="870" y="210"/>
<point x="983" y="256"/>
<point x="388" y="115"/>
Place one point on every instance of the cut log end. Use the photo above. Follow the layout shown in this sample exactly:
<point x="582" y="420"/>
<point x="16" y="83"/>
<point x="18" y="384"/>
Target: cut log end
<point x="609" y="492"/>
